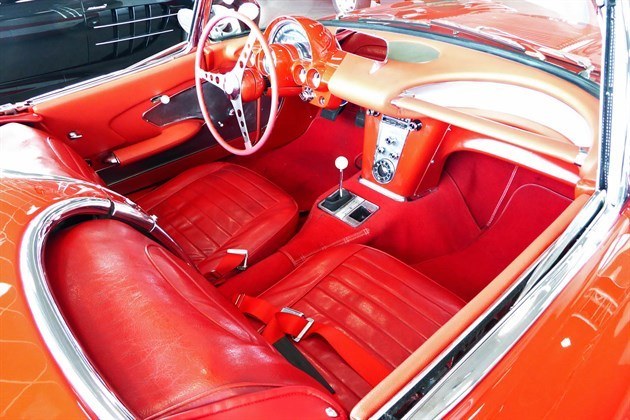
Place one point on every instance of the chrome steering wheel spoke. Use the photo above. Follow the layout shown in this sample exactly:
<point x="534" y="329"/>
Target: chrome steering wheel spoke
<point x="231" y="83"/>
<point x="237" y="104"/>
<point x="216" y="79"/>
<point x="244" y="56"/>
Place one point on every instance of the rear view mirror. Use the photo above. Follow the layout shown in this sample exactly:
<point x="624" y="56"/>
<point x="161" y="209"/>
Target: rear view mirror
<point x="185" y="19"/>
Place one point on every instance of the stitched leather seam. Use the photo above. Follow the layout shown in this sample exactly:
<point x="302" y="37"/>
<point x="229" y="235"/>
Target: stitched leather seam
<point x="454" y="296"/>
<point x="216" y="191"/>
<point x="362" y="317"/>
<point x="275" y="397"/>
<point x="209" y="218"/>
<point x="395" y="294"/>
<point x="199" y="176"/>
<point x="377" y="303"/>
<point x="254" y="185"/>
<point x="247" y="195"/>
<point x="200" y="255"/>
<point x="314" y="282"/>
<point x="330" y="373"/>
<point x="357" y="339"/>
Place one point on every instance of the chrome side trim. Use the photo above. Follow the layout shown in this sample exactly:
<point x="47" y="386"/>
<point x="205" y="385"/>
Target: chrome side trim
<point x="78" y="370"/>
<point x="497" y="343"/>
<point x="131" y="38"/>
<point x="545" y="259"/>
<point x="129" y="22"/>
<point x="382" y="190"/>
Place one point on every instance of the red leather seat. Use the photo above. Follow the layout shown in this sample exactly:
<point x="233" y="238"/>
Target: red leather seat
<point x="211" y="208"/>
<point x="206" y="209"/>
<point x="168" y="342"/>
<point x="164" y="338"/>
<point x="379" y="301"/>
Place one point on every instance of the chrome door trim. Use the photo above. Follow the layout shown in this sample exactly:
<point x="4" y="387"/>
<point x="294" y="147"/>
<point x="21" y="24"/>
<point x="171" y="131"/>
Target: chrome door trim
<point x="131" y="38"/>
<point x="129" y="22"/>
<point x="67" y="352"/>
<point x="482" y="358"/>
<point x="575" y="228"/>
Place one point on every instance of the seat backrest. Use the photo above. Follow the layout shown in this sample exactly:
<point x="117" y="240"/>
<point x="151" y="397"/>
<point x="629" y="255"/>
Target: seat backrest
<point x="164" y="338"/>
<point x="26" y="149"/>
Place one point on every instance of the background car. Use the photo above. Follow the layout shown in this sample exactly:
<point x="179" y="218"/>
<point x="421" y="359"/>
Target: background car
<point x="47" y="44"/>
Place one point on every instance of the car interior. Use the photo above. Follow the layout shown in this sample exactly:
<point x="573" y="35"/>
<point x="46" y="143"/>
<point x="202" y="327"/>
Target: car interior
<point x="290" y="292"/>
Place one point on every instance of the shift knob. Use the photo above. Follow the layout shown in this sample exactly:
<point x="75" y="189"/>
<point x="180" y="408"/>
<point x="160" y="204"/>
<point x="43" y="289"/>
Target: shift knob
<point x="341" y="163"/>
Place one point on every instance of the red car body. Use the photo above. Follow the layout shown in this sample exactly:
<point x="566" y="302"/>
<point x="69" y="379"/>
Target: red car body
<point x="572" y="362"/>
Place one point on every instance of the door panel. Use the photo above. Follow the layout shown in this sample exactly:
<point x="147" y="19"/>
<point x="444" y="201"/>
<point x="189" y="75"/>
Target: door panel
<point x="109" y="116"/>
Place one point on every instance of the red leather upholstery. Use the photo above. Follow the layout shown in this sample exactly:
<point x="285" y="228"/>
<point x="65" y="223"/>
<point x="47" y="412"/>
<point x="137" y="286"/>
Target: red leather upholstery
<point x="379" y="301"/>
<point x="207" y="209"/>
<point x="213" y="207"/>
<point x="26" y="149"/>
<point x="164" y="338"/>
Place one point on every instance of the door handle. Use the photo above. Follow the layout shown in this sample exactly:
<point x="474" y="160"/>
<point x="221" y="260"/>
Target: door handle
<point x="101" y="7"/>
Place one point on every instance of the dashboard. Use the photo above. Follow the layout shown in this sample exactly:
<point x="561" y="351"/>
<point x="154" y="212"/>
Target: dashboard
<point x="416" y="90"/>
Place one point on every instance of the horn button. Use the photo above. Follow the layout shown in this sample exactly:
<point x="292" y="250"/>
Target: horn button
<point x="232" y="86"/>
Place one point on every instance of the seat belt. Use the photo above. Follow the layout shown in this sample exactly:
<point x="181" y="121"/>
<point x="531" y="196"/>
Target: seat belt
<point x="234" y="259"/>
<point x="287" y="321"/>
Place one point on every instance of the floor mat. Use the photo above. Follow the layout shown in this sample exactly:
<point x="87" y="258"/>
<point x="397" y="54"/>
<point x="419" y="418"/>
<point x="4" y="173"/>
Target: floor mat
<point x="305" y="168"/>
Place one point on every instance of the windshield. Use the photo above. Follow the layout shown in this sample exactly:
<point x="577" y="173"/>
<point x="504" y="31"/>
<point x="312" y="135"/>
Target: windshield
<point x="563" y="33"/>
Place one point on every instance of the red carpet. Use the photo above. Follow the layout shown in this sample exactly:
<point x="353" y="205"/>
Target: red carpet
<point x="305" y="168"/>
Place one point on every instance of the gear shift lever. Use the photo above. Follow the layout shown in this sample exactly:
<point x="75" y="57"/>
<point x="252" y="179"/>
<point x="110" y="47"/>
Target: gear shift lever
<point x="340" y="197"/>
<point x="341" y="163"/>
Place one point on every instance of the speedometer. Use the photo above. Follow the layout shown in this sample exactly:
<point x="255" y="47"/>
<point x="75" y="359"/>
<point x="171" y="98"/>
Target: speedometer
<point x="291" y="33"/>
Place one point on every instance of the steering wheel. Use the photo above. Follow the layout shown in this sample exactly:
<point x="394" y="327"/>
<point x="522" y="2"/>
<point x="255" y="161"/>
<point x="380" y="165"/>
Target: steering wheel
<point x="231" y="83"/>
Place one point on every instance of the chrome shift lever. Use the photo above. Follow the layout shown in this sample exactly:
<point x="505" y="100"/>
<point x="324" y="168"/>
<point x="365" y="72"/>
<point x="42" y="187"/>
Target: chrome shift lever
<point x="341" y="163"/>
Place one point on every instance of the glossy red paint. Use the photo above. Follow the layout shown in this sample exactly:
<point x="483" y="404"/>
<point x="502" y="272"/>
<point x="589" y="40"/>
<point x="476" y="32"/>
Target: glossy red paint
<point x="573" y="362"/>
<point x="556" y="369"/>
<point x="31" y="381"/>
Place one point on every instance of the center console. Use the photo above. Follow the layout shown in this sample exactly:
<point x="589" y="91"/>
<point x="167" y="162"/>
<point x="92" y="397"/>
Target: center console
<point x="354" y="211"/>
<point x="391" y="138"/>
<point x="398" y="152"/>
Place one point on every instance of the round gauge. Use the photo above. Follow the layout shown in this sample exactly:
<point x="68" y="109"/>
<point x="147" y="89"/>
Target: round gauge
<point x="314" y="78"/>
<point x="289" y="32"/>
<point x="299" y="74"/>
<point x="263" y="62"/>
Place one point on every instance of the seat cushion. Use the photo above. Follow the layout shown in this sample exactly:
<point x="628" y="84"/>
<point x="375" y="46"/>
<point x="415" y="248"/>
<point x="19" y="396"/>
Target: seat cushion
<point x="160" y="335"/>
<point x="214" y="207"/>
<point x="382" y="303"/>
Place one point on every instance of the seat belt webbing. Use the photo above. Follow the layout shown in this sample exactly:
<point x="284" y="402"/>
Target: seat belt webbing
<point x="286" y="321"/>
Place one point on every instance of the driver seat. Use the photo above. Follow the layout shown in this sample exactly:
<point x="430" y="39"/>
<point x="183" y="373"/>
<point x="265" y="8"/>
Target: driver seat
<point x="207" y="209"/>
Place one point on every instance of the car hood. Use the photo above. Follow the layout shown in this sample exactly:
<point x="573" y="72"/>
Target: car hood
<point x="568" y="38"/>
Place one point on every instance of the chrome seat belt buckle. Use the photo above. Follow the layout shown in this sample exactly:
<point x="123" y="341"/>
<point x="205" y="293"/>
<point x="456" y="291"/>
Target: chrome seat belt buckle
<point x="244" y="253"/>
<point x="309" y="322"/>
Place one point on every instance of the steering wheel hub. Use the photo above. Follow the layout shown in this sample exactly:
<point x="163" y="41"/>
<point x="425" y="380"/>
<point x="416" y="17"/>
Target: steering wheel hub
<point x="232" y="86"/>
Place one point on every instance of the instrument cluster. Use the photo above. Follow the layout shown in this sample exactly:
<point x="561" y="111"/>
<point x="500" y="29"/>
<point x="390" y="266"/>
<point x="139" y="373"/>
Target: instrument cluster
<point x="305" y="55"/>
